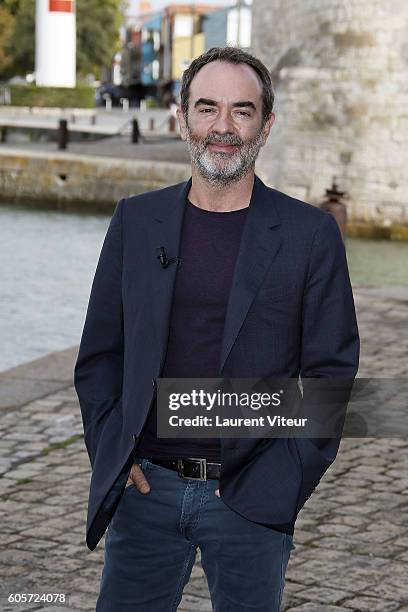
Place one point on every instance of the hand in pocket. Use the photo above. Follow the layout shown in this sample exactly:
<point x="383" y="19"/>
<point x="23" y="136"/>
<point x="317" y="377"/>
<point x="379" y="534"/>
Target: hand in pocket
<point x="138" y="479"/>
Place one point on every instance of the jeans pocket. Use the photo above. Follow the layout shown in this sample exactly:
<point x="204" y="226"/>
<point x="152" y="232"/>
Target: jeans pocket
<point x="143" y="463"/>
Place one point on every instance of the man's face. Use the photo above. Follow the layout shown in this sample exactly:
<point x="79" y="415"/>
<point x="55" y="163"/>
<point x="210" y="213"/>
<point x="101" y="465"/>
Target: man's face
<point x="224" y="130"/>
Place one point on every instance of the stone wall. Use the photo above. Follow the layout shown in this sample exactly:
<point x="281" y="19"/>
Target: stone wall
<point x="63" y="180"/>
<point x="340" y="72"/>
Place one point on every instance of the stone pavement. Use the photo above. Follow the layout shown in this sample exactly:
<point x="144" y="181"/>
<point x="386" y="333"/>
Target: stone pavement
<point x="351" y="537"/>
<point x="156" y="143"/>
<point x="164" y="147"/>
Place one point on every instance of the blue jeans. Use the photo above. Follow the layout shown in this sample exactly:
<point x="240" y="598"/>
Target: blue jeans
<point x="151" y="545"/>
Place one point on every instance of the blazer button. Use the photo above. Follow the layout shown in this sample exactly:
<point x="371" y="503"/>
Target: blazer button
<point x="153" y="382"/>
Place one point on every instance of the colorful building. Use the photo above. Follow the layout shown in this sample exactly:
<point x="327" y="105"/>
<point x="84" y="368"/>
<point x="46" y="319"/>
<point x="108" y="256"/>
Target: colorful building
<point x="159" y="47"/>
<point x="229" y="26"/>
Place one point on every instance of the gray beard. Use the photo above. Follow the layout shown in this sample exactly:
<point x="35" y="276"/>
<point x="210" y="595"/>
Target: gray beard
<point x="221" y="169"/>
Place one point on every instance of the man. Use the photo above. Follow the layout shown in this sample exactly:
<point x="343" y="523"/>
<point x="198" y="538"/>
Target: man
<point x="219" y="276"/>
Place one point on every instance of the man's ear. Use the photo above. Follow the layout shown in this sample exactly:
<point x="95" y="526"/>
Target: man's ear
<point x="267" y="127"/>
<point x="182" y="123"/>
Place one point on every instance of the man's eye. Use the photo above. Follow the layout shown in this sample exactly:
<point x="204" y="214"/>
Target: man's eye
<point x="211" y="110"/>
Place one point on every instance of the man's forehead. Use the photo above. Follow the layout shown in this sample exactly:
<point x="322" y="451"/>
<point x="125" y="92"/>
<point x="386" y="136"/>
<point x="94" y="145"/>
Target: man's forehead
<point x="224" y="81"/>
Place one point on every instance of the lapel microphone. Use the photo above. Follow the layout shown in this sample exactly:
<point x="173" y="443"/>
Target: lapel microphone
<point x="164" y="261"/>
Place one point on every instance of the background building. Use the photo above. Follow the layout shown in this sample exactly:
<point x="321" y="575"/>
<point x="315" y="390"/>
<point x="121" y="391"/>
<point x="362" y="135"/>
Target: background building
<point x="340" y="72"/>
<point x="184" y="39"/>
<point x="230" y="25"/>
<point x="159" y="46"/>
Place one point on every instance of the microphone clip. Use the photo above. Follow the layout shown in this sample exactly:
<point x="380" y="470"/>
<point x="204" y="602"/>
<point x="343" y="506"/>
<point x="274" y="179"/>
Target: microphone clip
<point x="164" y="261"/>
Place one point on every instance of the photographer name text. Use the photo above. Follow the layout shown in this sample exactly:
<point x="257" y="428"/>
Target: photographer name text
<point x="217" y="421"/>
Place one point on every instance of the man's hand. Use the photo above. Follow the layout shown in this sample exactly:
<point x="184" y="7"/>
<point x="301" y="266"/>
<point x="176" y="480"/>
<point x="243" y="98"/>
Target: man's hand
<point x="217" y="492"/>
<point x="138" y="479"/>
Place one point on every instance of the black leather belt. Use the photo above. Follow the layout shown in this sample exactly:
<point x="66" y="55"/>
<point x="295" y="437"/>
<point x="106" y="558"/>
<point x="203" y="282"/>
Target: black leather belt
<point x="197" y="469"/>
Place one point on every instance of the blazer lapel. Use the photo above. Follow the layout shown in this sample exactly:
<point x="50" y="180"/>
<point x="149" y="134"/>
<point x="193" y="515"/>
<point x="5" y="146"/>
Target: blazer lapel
<point x="258" y="247"/>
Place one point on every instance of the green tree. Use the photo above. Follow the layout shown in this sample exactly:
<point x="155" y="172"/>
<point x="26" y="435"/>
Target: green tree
<point x="6" y="33"/>
<point x="10" y="5"/>
<point x="97" y="26"/>
<point x="22" y="47"/>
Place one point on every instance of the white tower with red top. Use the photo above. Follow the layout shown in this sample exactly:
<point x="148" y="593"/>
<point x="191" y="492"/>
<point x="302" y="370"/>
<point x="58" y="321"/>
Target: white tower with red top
<point x="55" y="43"/>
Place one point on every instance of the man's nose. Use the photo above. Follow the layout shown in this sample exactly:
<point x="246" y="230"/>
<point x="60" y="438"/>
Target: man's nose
<point x="223" y="123"/>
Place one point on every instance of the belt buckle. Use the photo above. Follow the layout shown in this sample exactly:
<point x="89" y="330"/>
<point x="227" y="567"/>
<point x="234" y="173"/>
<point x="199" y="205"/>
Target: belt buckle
<point x="203" y="469"/>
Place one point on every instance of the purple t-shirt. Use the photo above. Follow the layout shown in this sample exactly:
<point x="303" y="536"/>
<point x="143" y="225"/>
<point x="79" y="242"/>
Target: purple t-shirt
<point x="209" y="246"/>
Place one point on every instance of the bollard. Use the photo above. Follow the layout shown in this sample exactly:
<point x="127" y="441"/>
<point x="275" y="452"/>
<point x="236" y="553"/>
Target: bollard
<point x="151" y="124"/>
<point x="93" y="119"/>
<point x="7" y="96"/>
<point x="334" y="205"/>
<point x="62" y="134"/>
<point x="135" y="131"/>
<point x="125" y="104"/>
<point x="172" y="123"/>
<point x="108" y="102"/>
<point x="3" y="134"/>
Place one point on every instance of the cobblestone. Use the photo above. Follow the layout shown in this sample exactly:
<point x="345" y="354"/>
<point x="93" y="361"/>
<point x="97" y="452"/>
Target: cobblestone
<point x="351" y="537"/>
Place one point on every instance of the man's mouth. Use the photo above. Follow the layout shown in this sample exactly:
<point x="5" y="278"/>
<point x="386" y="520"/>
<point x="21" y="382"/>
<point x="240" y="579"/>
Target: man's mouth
<point x="216" y="146"/>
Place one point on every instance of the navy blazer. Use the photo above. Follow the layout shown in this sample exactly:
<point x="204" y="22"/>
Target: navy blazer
<point x="290" y="312"/>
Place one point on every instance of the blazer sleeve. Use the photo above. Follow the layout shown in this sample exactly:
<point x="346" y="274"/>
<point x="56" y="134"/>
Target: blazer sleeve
<point x="330" y="338"/>
<point x="98" y="371"/>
